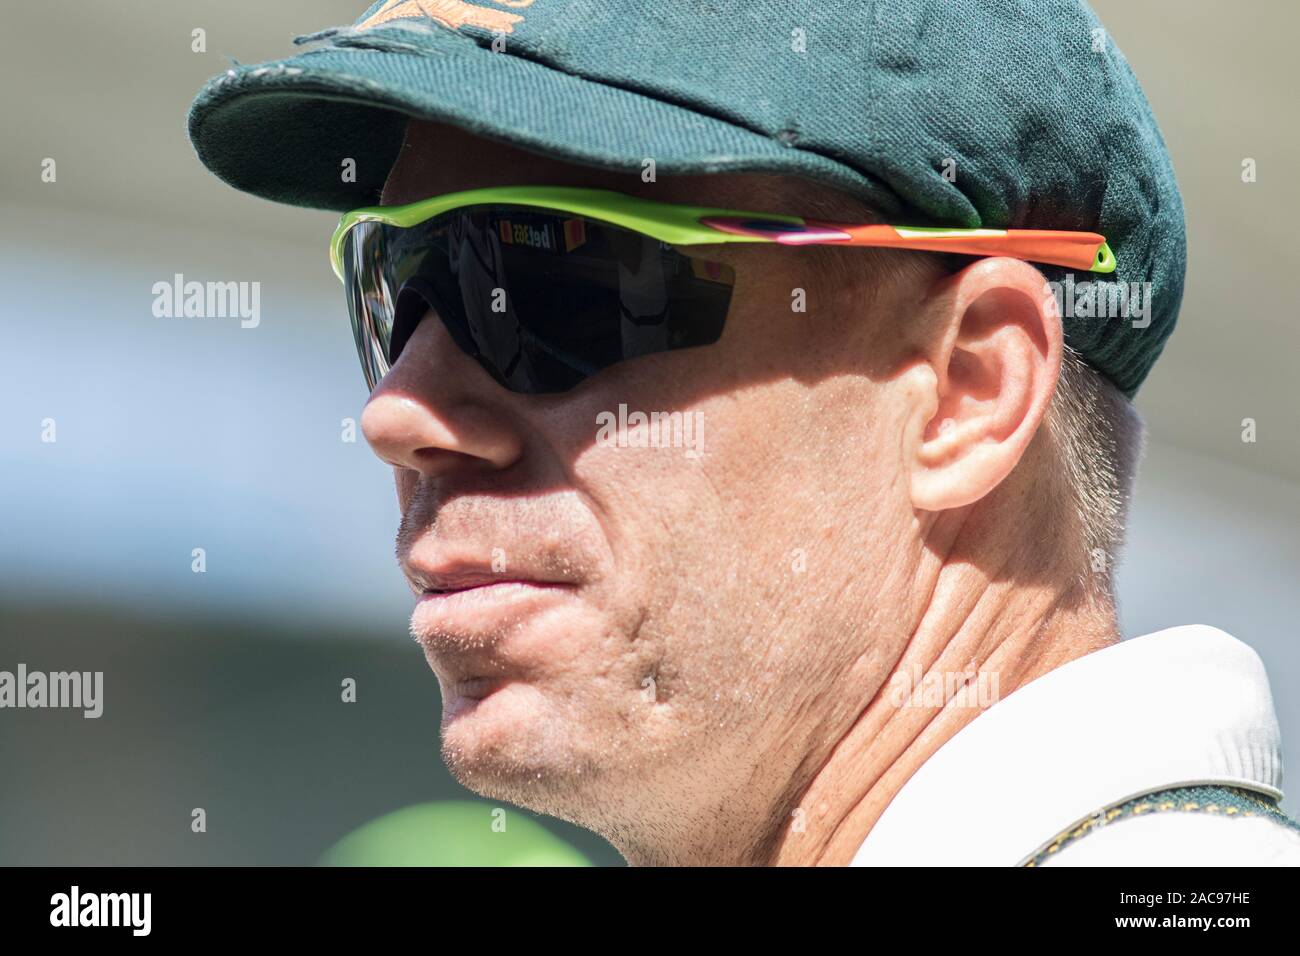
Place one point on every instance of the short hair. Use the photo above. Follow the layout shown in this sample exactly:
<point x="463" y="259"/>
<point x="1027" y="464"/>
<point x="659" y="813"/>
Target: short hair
<point x="1099" y="437"/>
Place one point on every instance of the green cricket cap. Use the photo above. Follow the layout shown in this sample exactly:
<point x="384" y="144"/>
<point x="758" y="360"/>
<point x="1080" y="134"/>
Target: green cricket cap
<point x="971" y="113"/>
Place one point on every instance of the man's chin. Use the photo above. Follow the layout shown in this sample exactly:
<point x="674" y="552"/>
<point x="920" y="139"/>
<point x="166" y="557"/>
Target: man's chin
<point x="511" y="744"/>
<point x="487" y="718"/>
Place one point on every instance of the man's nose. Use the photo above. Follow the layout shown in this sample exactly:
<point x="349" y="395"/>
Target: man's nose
<point x="436" y="410"/>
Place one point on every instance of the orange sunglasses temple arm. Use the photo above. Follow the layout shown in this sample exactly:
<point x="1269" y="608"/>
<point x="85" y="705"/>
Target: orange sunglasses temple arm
<point x="1074" y="250"/>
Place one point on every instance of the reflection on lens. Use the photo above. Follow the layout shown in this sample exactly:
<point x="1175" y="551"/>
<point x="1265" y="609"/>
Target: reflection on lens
<point x="541" y="299"/>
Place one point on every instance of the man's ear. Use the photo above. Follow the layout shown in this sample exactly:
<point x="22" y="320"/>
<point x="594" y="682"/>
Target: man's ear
<point x="988" y="375"/>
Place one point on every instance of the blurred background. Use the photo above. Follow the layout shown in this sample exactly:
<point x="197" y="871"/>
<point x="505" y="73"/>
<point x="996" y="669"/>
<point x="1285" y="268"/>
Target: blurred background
<point x="223" y="688"/>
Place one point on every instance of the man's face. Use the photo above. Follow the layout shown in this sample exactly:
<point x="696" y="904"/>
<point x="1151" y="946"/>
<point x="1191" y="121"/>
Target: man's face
<point x="612" y="626"/>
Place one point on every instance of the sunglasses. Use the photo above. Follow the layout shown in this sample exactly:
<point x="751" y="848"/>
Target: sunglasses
<point x="546" y="285"/>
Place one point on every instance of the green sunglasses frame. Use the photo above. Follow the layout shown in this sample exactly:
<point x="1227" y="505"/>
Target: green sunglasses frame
<point x="684" y="225"/>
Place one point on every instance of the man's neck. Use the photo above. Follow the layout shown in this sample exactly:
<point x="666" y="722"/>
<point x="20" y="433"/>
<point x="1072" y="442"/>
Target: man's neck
<point x="981" y="637"/>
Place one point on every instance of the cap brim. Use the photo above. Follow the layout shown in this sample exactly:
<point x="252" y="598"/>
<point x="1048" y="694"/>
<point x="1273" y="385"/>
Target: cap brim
<point x="285" y="130"/>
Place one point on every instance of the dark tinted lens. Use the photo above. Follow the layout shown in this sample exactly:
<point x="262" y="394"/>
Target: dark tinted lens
<point x="541" y="299"/>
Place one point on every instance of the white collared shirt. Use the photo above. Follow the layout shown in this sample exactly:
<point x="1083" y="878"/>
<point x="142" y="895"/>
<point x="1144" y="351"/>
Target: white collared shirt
<point x="1181" y="707"/>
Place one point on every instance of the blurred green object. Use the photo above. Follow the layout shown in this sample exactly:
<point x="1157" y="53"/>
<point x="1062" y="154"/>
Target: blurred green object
<point x="453" y="833"/>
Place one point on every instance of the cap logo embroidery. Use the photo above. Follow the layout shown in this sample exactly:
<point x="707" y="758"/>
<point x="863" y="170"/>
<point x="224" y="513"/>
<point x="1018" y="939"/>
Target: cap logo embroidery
<point x="452" y="14"/>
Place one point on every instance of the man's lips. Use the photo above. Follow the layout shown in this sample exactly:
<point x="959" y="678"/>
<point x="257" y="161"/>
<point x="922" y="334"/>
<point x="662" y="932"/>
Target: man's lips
<point x="485" y="596"/>
<point x="467" y="635"/>
<point x="450" y="577"/>
<point x="474" y="582"/>
<point x="473" y="611"/>
<point x="483" y="623"/>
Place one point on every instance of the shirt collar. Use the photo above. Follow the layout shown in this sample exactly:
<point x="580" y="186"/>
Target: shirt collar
<point x="1188" y="705"/>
